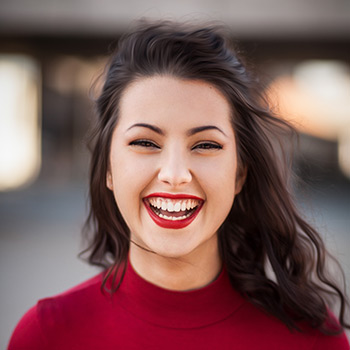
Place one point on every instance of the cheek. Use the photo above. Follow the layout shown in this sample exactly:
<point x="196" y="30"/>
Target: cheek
<point x="218" y="173"/>
<point x="131" y="175"/>
<point x="127" y="166"/>
<point x="219" y="183"/>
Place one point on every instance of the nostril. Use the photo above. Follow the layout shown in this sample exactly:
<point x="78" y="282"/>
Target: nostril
<point x="175" y="176"/>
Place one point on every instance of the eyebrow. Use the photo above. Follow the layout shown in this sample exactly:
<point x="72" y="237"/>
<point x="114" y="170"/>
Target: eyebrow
<point x="190" y="132"/>
<point x="203" y="128"/>
<point x="148" y="126"/>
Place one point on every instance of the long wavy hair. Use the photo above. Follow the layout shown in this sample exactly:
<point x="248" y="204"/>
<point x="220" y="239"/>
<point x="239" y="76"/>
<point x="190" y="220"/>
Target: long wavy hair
<point x="272" y="256"/>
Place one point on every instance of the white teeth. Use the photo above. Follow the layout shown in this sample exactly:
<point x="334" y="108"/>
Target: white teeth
<point x="170" y="206"/>
<point x="177" y="207"/>
<point x="164" y="206"/>
<point x="173" y="218"/>
<point x="173" y="205"/>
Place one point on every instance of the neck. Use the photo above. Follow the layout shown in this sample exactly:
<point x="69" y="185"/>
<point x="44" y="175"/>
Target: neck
<point x="183" y="273"/>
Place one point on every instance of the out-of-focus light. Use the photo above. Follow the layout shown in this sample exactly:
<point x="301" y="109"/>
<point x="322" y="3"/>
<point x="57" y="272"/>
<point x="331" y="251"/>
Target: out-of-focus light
<point x="20" y="125"/>
<point x="316" y="99"/>
<point x="344" y="152"/>
<point x="328" y="80"/>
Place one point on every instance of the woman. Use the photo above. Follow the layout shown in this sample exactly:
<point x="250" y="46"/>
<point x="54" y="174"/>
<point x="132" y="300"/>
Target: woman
<point x="191" y="214"/>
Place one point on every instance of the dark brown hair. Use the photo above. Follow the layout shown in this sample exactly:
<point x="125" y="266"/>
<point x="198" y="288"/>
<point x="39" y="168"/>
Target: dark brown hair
<point x="263" y="230"/>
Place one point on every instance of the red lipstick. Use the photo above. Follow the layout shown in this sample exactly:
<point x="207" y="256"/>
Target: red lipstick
<point x="173" y="196"/>
<point x="173" y="224"/>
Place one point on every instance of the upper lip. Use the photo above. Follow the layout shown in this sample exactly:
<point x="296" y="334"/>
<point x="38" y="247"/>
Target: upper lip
<point x="174" y="196"/>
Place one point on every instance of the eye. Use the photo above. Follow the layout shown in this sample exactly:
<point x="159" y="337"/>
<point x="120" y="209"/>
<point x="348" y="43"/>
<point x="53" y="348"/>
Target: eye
<point x="207" y="146"/>
<point x="143" y="143"/>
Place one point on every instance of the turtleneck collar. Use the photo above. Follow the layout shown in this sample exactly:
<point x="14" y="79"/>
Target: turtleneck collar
<point x="177" y="309"/>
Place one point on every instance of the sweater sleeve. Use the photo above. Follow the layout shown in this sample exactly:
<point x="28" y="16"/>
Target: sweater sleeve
<point x="28" y="334"/>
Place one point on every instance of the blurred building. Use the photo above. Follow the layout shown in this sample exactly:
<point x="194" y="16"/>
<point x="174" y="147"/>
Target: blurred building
<point x="301" y="49"/>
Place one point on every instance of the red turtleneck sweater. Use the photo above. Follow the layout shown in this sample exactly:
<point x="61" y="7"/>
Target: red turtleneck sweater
<point x="141" y="315"/>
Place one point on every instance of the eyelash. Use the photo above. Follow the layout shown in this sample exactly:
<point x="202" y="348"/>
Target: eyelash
<point x="201" y="146"/>
<point x="207" y="145"/>
<point x="144" y="143"/>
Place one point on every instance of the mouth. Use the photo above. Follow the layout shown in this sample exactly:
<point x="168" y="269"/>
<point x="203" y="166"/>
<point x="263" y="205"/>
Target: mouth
<point x="173" y="211"/>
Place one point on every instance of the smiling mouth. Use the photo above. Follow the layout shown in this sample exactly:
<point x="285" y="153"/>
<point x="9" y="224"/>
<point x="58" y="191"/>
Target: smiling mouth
<point x="173" y="212"/>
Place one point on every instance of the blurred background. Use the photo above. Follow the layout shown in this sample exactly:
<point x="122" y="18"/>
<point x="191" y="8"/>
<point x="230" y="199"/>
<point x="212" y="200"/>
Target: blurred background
<point x="51" y="52"/>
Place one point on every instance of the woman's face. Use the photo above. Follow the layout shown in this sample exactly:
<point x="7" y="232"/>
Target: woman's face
<point x="173" y="164"/>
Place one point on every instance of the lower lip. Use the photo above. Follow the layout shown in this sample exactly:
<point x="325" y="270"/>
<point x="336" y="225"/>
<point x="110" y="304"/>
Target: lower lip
<point x="169" y="223"/>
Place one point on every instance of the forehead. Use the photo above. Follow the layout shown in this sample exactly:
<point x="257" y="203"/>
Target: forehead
<point x="168" y="100"/>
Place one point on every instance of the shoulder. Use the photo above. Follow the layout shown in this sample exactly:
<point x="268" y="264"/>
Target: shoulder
<point x="327" y="342"/>
<point x="28" y="333"/>
<point x="273" y="334"/>
<point x="50" y="315"/>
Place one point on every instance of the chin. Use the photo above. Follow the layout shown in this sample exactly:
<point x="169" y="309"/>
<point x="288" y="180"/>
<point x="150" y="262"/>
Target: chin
<point x="172" y="251"/>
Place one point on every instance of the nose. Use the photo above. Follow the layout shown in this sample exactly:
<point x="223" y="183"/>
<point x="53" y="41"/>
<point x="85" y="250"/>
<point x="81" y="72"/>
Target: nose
<point x="174" y="169"/>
